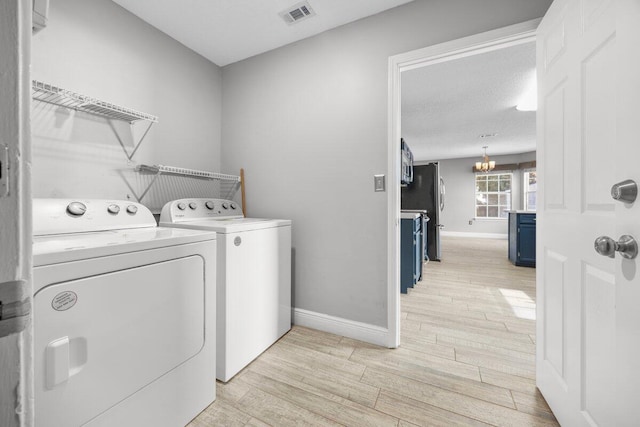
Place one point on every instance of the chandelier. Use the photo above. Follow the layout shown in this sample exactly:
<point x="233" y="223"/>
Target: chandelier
<point x="485" y="165"/>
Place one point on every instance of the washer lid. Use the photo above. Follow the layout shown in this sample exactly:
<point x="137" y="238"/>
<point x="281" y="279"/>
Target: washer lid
<point x="231" y="225"/>
<point x="53" y="249"/>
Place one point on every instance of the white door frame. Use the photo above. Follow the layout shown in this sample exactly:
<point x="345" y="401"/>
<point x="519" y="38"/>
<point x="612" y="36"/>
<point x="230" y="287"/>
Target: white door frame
<point x="479" y="43"/>
<point x="16" y="363"/>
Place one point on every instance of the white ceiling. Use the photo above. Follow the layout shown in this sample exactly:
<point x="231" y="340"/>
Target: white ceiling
<point x="227" y="31"/>
<point x="447" y="106"/>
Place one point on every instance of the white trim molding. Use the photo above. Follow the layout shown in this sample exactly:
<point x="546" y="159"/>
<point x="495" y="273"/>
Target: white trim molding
<point x="472" y="234"/>
<point x="512" y="35"/>
<point x="336" y="325"/>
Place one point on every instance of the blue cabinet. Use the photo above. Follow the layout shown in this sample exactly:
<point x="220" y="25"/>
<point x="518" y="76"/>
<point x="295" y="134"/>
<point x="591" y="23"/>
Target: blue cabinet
<point x="411" y="251"/>
<point x="522" y="238"/>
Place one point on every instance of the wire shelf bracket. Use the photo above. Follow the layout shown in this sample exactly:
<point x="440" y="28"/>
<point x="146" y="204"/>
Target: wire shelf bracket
<point x="159" y="170"/>
<point x="54" y="95"/>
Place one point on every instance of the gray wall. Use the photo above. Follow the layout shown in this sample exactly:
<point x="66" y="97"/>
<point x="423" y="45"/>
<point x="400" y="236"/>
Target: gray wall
<point x="308" y="122"/>
<point x="460" y="190"/>
<point x="99" y="49"/>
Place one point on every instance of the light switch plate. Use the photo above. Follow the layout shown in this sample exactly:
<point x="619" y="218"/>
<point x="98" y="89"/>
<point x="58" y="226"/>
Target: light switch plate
<point x="378" y="183"/>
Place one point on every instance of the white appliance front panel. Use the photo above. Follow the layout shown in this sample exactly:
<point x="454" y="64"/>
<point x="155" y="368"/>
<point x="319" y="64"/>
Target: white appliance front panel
<point x="254" y="295"/>
<point x="55" y="249"/>
<point x="102" y="338"/>
<point x="231" y="225"/>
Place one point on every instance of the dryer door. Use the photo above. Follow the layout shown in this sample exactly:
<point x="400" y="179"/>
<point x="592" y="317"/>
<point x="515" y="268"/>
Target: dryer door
<point x="100" y="339"/>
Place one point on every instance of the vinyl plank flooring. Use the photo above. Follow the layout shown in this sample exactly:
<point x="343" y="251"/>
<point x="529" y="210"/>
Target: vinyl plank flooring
<point x="221" y="413"/>
<point x="416" y="413"/>
<point x="306" y="357"/>
<point x="414" y="360"/>
<point x="508" y="381"/>
<point x="325" y="383"/>
<point x="498" y="363"/>
<point x="279" y="412"/>
<point x="342" y="411"/>
<point x="431" y="378"/>
<point x="466" y="358"/>
<point x="254" y="422"/>
<point x="443" y="320"/>
<point x="492" y="349"/>
<point x="518" y="342"/>
<point x="337" y="349"/>
<point x="454" y="402"/>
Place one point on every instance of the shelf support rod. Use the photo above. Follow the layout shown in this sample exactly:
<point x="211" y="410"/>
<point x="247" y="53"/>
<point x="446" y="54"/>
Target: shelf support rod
<point x="242" y="189"/>
<point x="130" y="156"/>
<point x="146" y="190"/>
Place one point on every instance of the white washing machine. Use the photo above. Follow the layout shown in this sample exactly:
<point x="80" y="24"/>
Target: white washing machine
<point x="124" y="316"/>
<point x="254" y="277"/>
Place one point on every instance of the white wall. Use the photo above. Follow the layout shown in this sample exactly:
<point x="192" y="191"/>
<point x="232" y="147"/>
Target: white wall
<point x="101" y="50"/>
<point x="459" y="181"/>
<point x="308" y="122"/>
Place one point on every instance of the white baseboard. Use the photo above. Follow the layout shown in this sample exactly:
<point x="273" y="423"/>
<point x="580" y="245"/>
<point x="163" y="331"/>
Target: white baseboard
<point x="471" y="234"/>
<point x="347" y="328"/>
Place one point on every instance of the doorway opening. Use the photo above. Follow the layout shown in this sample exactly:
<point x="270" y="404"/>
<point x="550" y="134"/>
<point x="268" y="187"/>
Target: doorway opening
<point x="476" y="308"/>
<point x="461" y="49"/>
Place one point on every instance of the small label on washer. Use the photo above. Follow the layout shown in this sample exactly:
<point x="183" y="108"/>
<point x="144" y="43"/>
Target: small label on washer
<point x="237" y="241"/>
<point x="64" y="301"/>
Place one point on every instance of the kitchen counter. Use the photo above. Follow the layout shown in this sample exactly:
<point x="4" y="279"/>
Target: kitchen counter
<point x="409" y="215"/>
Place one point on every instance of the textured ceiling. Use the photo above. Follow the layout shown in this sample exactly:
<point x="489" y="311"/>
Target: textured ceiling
<point x="447" y="106"/>
<point x="227" y="31"/>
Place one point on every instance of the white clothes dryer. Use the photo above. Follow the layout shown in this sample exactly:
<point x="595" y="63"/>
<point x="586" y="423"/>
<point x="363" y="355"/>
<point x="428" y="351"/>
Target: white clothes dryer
<point x="124" y="316"/>
<point x="253" y="281"/>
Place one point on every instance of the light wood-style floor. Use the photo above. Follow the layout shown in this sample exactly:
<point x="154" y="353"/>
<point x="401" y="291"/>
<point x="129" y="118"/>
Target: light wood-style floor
<point x="467" y="357"/>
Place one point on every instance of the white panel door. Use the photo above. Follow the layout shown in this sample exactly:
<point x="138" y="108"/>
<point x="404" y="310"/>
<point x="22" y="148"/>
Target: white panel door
<point x="588" y="126"/>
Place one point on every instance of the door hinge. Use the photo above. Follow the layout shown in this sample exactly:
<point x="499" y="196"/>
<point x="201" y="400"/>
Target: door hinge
<point x="14" y="315"/>
<point x="4" y="171"/>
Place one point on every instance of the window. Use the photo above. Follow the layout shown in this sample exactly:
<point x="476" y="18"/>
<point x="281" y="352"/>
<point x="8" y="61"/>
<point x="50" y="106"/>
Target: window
<point x="493" y="195"/>
<point x="530" y="187"/>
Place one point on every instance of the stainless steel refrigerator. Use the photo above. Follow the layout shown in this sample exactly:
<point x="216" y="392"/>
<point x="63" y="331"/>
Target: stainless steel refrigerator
<point x="427" y="192"/>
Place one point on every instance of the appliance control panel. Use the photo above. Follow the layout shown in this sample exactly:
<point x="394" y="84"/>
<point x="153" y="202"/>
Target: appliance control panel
<point x="195" y="209"/>
<point x="62" y="216"/>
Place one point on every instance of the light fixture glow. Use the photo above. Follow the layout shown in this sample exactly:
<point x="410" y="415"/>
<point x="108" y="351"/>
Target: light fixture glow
<point x="529" y="99"/>
<point x="485" y="165"/>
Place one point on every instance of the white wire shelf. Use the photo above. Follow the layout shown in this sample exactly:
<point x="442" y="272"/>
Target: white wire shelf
<point x="160" y="169"/>
<point x="212" y="184"/>
<point x="50" y="94"/>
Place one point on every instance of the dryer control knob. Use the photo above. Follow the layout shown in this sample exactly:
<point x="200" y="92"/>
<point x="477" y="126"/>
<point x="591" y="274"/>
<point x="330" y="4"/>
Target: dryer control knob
<point x="193" y="206"/>
<point x="182" y="206"/>
<point x="225" y="205"/>
<point x="233" y="205"/>
<point x="209" y="205"/>
<point x="113" y="209"/>
<point x="132" y="209"/>
<point x="76" y="208"/>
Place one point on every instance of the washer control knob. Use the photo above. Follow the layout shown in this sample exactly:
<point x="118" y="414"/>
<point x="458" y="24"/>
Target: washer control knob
<point x="233" y="205"/>
<point x="225" y="205"/>
<point x="76" y="208"/>
<point x="113" y="209"/>
<point x="132" y="209"/>
<point x="209" y="205"/>
<point x="193" y="206"/>
<point x="182" y="206"/>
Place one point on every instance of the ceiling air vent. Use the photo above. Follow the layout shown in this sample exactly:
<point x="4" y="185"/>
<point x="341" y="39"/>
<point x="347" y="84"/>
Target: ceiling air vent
<point x="297" y="13"/>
